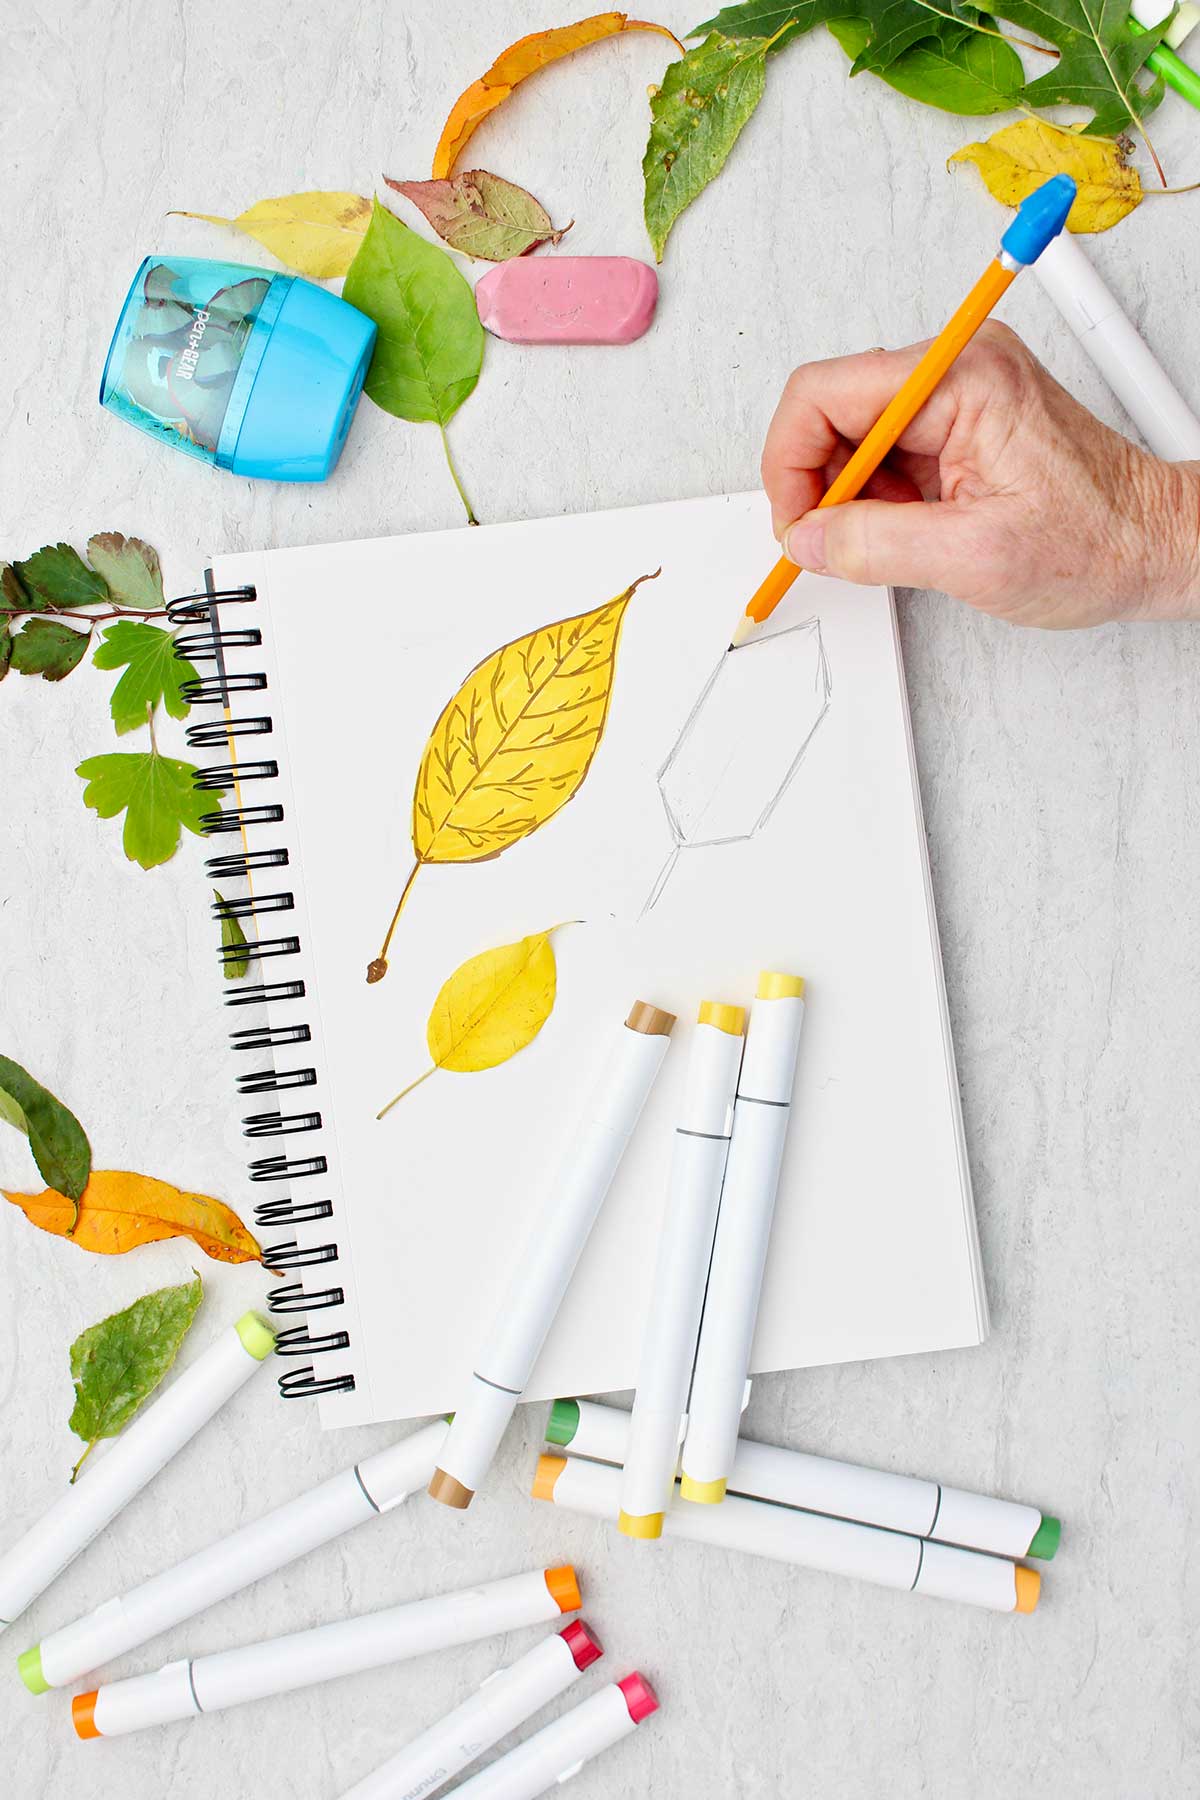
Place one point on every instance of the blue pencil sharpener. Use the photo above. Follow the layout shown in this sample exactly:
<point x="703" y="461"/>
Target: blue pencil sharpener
<point x="253" y="372"/>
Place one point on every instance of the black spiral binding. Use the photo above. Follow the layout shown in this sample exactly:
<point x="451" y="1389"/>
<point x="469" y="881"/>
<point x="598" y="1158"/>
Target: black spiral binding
<point x="206" y="642"/>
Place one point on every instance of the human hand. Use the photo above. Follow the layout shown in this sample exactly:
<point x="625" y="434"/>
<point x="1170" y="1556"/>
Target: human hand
<point x="1035" y="512"/>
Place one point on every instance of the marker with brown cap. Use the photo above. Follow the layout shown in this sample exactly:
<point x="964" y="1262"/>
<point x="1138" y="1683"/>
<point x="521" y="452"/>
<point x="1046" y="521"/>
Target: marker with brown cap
<point x="613" y="1100"/>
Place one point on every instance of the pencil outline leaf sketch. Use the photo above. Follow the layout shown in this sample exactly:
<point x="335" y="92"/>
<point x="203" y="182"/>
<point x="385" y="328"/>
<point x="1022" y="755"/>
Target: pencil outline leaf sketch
<point x="514" y="744"/>
<point x="823" y="692"/>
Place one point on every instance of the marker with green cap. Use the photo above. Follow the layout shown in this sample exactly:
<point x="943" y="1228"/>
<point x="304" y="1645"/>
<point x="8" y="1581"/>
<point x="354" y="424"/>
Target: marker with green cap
<point x="925" y="1509"/>
<point x="1144" y="15"/>
<point x="123" y="1469"/>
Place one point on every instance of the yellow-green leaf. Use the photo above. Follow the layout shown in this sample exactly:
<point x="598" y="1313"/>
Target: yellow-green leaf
<point x="514" y="744"/>
<point x="493" y="1005"/>
<point x="1016" y="160"/>
<point x="317" y="233"/>
<point x="118" y="1363"/>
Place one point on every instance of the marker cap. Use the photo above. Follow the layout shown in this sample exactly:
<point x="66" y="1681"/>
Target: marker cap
<point x="1046" y="1538"/>
<point x="83" y="1715"/>
<point x="640" y="1525"/>
<point x="585" y="1648"/>
<point x="726" y="1018"/>
<point x="774" y="985"/>
<point x="651" y="1020"/>
<point x="1029" y="1586"/>
<point x="702" y="1493"/>
<point x="564" y="1588"/>
<point x="29" y="1667"/>
<point x="640" y="1697"/>
<point x="548" y="1470"/>
<point x="449" y="1491"/>
<point x="563" y="1422"/>
<point x="257" y="1335"/>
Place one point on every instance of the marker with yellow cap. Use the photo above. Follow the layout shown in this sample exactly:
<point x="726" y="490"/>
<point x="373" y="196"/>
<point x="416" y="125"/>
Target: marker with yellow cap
<point x="123" y="1469"/>
<point x="684" y="1252"/>
<point x="208" y="1684"/>
<point x="760" y="1121"/>
<point x="809" y="1540"/>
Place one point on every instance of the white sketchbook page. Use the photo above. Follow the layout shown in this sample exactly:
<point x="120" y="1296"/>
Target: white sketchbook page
<point x="874" y="1250"/>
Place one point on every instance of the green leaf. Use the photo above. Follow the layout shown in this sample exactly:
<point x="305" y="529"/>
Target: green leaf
<point x="48" y="648"/>
<point x="696" y="116"/>
<point x="152" y="672"/>
<point x="1100" y="60"/>
<point x="5" y="647"/>
<point x="116" y="1364"/>
<point x="481" y="214"/>
<point x="13" y="596"/>
<point x="430" y="346"/>
<point x="231" y="936"/>
<point x="130" y="567"/>
<point x="157" y="795"/>
<point x="56" y="1138"/>
<point x="59" y="576"/>
<point x="972" y="74"/>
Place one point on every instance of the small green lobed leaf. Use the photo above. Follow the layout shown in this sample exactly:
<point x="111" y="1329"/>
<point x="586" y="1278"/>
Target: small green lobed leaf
<point x="57" y="1139"/>
<point x="152" y="672"/>
<point x="696" y="117"/>
<point x="967" y="74"/>
<point x="117" y="1363"/>
<point x="14" y="597"/>
<point x="58" y="575"/>
<point x="156" y="793"/>
<point x="48" y="648"/>
<point x="130" y="567"/>
<point x="6" y="644"/>
<point x="430" y="346"/>
<point x="232" y="936"/>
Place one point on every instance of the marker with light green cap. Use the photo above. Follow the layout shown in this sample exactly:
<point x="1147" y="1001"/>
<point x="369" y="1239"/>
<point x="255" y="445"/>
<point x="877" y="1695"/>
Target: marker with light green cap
<point x="123" y="1467"/>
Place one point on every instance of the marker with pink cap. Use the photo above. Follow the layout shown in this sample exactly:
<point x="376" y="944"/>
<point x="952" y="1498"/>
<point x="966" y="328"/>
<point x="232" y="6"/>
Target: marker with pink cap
<point x="506" y="1699"/>
<point x="560" y="1750"/>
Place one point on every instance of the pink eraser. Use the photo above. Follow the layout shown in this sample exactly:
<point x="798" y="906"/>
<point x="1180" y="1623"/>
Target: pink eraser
<point x="568" y="299"/>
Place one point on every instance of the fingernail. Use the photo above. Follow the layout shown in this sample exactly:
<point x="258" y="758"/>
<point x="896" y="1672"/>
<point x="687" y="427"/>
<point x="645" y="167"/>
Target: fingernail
<point x="804" y="544"/>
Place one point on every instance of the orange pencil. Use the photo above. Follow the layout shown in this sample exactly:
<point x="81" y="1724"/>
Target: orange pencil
<point x="1040" y="217"/>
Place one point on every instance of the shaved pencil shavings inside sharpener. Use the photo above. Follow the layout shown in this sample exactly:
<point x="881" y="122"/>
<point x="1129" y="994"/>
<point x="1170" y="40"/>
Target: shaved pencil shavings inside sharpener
<point x="248" y="371"/>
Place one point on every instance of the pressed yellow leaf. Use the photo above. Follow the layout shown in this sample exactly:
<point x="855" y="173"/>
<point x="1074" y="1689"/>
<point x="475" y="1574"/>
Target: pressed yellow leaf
<point x="317" y="233"/>
<point x="119" y="1210"/>
<point x="515" y="743"/>
<point x="524" y="58"/>
<point x="1015" y="161"/>
<point x="493" y="1005"/>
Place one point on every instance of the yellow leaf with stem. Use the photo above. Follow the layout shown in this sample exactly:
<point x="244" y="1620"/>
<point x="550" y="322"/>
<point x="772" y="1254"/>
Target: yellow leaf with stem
<point x="317" y="233"/>
<point x="514" y="744"/>
<point x="1016" y="160"/>
<point x="493" y="1005"/>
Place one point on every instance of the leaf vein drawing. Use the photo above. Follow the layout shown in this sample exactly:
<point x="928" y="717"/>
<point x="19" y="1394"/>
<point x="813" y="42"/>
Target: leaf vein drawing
<point x="469" y="802"/>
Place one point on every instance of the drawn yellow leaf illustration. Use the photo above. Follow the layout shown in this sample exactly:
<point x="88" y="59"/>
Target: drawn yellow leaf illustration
<point x="1019" y="158"/>
<point x="317" y="233"/>
<point x="514" y="744"/>
<point x="493" y="1005"/>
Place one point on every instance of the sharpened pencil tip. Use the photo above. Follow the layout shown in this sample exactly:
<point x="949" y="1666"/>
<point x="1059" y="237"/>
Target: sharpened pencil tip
<point x="744" y="630"/>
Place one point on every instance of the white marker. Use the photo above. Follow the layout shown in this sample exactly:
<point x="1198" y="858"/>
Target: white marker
<point x="631" y="1059"/>
<point x="371" y="1487"/>
<point x="210" y="1683"/>
<point x="561" y="1749"/>
<point x="505" y="1700"/>
<point x="809" y="1540"/>
<point x="739" y="1259"/>
<point x="843" y="1490"/>
<point x="684" y="1252"/>
<point x="123" y="1469"/>
<point x="1123" y="357"/>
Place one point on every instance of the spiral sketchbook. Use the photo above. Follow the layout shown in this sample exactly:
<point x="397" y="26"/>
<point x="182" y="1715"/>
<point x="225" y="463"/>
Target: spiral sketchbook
<point x="681" y="817"/>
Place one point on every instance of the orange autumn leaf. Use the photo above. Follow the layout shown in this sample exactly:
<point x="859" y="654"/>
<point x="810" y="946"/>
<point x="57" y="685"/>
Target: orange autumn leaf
<point x="525" y="57"/>
<point x="118" y="1211"/>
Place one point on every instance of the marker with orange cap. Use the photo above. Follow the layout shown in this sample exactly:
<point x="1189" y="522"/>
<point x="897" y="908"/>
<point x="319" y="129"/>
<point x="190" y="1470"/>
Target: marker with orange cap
<point x="506" y="1699"/>
<point x="612" y="1102"/>
<point x="684" y="1251"/>
<point x="1040" y="218"/>
<point x="210" y="1683"/>
<point x="560" y="1750"/>
<point x="892" y="1559"/>
<point x="760" y="1121"/>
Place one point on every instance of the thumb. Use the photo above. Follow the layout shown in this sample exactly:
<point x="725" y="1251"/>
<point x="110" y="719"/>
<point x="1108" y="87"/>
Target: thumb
<point x="881" y="543"/>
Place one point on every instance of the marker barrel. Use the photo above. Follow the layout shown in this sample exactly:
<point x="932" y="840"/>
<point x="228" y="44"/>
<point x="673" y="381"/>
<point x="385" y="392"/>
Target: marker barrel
<point x="231" y="1677"/>
<point x="123" y="1468"/>
<point x="505" y="1700"/>
<point x="760" y="1121"/>
<point x="235" y="1561"/>
<point x="558" y="1750"/>
<point x="614" y="1100"/>
<point x="809" y="1540"/>
<point x="822" y="1485"/>
<point x="681" y="1271"/>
